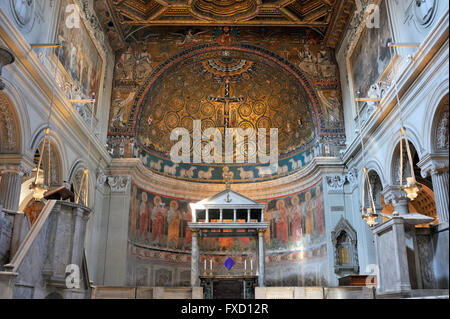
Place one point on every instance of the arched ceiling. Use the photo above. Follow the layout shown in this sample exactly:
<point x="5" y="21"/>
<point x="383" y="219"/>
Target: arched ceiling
<point x="126" y="21"/>
<point x="259" y="90"/>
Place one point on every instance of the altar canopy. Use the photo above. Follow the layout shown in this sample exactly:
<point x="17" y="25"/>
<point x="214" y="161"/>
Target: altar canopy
<point x="227" y="214"/>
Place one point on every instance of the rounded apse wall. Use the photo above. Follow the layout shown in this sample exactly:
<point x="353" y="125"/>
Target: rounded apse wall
<point x="257" y="88"/>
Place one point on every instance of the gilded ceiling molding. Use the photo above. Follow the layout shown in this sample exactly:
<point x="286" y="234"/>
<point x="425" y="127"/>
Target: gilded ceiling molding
<point x="226" y="11"/>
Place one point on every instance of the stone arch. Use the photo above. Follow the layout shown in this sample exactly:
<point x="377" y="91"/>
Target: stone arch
<point x="376" y="167"/>
<point x="57" y="162"/>
<point x="12" y="94"/>
<point x="377" y="189"/>
<point x="439" y="129"/>
<point x="394" y="158"/>
<point x="433" y="104"/>
<point x="10" y="128"/>
<point x="75" y="177"/>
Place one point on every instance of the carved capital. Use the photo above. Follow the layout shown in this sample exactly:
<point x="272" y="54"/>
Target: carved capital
<point x="119" y="184"/>
<point x="394" y="194"/>
<point x="352" y="177"/>
<point x="335" y="184"/>
<point x="101" y="182"/>
<point x="433" y="164"/>
<point x="21" y="169"/>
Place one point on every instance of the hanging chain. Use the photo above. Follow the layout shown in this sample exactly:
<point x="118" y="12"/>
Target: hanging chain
<point x="403" y="135"/>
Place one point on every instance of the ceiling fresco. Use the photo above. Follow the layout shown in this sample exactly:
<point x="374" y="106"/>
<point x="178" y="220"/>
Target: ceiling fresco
<point x="127" y="21"/>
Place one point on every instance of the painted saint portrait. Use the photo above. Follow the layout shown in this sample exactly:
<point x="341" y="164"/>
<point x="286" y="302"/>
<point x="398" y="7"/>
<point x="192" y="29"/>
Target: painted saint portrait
<point x="371" y="56"/>
<point x="78" y="55"/>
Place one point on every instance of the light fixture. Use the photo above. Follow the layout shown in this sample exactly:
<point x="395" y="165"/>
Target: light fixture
<point x="38" y="186"/>
<point x="84" y="185"/>
<point x="369" y="214"/>
<point x="411" y="188"/>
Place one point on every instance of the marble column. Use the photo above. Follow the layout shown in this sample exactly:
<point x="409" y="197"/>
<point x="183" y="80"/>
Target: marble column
<point x="10" y="185"/>
<point x="398" y="198"/>
<point x="261" y="257"/>
<point x="437" y="165"/>
<point x="440" y="188"/>
<point x="195" y="255"/>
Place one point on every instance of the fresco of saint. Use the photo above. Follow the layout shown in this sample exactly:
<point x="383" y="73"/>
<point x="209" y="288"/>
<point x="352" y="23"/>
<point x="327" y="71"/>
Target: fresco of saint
<point x="134" y="205"/>
<point x="309" y="219"/>
<point x="281" y="222"/>
<point x="157" y="221"/>
<point x="319" y="211"/>
<point x="296" y="220"/>
<point x="174" y="220"/>
<point x="143" y="217"/>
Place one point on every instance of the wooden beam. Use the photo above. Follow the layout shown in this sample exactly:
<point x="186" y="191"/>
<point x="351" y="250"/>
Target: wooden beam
<point x="226" y="23"/>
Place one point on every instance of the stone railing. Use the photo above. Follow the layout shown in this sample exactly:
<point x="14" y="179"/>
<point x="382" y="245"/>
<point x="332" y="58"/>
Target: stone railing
<point x="108" y="292"/>
<point x="53" y="247"/>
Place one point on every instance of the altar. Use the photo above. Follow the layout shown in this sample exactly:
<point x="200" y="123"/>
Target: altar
<point x="229" y="287"/>
<point x="228" y="214"/>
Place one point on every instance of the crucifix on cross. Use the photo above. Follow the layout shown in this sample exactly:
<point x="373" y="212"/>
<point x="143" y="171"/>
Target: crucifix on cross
<point x="226" y="100"/>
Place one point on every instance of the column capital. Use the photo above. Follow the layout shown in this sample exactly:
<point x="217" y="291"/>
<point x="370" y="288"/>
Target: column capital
<point x="261" y="232"/>
<point x="431" y="164"/>
<point x="119" y="183"/>
<point x="394" y="194"/>
<point x="336" y="184"/>
<point x="21" y="169"/>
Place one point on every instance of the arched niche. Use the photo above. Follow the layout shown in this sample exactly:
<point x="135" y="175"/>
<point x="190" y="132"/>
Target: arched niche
<point x="395" y="163"/>
<point x="344" y="241"/>
<point x="10" y="133"/>
<point x="51" y="162"/>
<point x="439" y="134"/>
<point x="78" y="183"/>
<point x="50" y="170"/>
<point x="377" y="188"/>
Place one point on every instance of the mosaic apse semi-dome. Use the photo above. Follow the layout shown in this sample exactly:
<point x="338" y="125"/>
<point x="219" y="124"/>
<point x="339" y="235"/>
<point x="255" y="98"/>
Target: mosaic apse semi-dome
<point x="258" y="90"/>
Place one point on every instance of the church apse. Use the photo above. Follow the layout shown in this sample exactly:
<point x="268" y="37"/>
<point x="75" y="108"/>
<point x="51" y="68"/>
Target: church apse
<point x="159" y="241"/>
<point x="226" y="77"/>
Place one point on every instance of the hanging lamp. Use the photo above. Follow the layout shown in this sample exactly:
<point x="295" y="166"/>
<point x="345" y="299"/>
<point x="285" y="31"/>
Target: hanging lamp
<point x="369" y="214"/>
<point x="411" y="188"/>
<point x="40" y="186"/>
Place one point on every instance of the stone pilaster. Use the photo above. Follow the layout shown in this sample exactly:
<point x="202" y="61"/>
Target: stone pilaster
<point x="261" y="257"/>
<point x="392" y="260"/>
<point x="398" y="198"/>
<point x="195" y="255"/>
<point x="436" y="165"/>
<point x="11" y="182"/>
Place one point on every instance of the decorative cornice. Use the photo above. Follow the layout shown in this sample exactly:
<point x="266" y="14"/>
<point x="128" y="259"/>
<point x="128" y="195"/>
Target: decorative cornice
<point x="306" y="177"/>
<point x="431" y="164"/>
